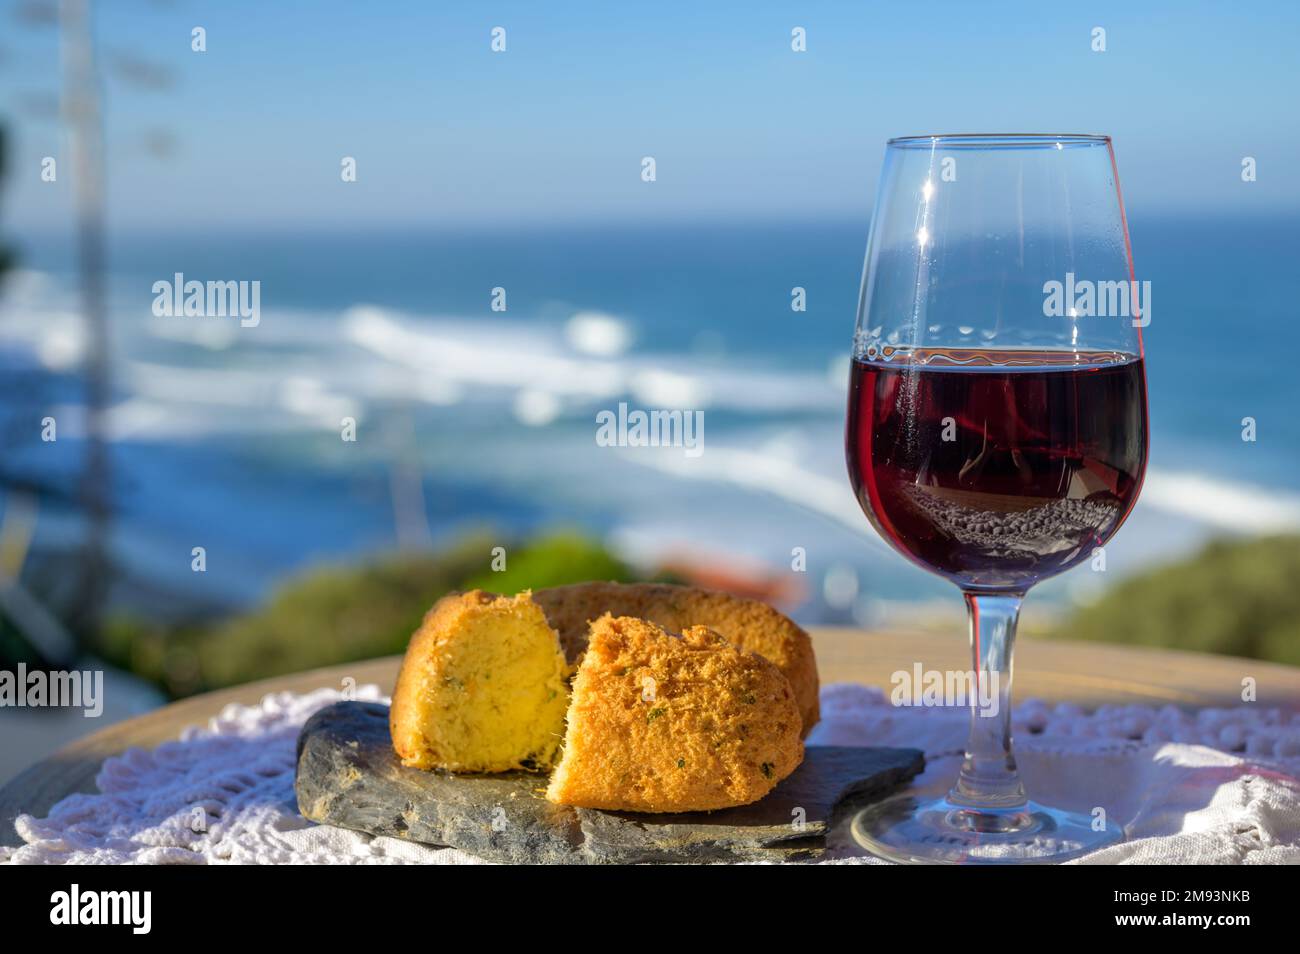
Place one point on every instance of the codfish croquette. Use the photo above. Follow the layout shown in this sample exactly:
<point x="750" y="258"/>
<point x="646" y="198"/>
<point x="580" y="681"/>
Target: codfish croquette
<point x="483" y="687"/>
<point x="663" y="723"/>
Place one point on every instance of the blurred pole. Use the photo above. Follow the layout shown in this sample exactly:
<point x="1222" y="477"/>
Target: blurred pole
<point x="81" y="107"/>
<point x="406" y="484"/>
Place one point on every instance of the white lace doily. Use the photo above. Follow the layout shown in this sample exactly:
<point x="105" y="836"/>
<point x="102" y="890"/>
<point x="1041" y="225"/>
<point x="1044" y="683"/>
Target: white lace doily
<point x="1217" y="786"/>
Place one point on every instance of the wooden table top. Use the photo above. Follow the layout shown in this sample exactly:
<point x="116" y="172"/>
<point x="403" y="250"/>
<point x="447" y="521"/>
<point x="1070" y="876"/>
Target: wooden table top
<point x="1086" y="673"/>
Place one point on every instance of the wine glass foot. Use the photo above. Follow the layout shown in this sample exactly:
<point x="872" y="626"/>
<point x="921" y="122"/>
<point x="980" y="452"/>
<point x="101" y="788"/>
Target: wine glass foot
<point x="910" y="830"/>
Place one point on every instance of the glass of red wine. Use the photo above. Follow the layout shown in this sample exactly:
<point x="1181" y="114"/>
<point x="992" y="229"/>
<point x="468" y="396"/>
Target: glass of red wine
<point x="997" y="431"/>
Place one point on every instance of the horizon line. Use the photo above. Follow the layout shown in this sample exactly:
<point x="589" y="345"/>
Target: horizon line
<point x="15" y="232"/>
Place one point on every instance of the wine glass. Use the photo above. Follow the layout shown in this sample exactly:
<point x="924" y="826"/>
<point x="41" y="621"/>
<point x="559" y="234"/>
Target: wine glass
<point x="996" y="430"/>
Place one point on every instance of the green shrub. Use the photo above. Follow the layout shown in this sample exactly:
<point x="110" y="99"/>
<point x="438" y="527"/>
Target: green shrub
<point x="1240" y="598"/>
<point x="552" y="561"/>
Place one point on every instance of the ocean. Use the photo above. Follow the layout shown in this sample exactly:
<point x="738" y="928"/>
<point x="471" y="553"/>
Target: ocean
<point x="229" y="437"/>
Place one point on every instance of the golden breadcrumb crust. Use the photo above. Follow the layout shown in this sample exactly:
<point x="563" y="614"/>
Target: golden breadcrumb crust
<point x="748" y="624"/>
<point x="663" y="723"/>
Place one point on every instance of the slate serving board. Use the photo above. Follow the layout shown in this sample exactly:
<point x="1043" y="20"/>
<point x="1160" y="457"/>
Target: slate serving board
<point x="349" y="776"/>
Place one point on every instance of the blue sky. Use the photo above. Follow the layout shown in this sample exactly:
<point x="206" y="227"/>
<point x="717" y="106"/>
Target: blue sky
<point x="447" y="133"/>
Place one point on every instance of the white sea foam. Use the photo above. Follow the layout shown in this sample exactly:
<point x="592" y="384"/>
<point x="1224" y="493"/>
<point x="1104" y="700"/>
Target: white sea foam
<point x="1238" y="507"/>
<point x="37" y="315"/>
<point x="369" y="353"/>
<point x="499" y="355"/>
<point x="599" y="334"/>
<point x="512" y="355"/>
<point x="772" y="473"/>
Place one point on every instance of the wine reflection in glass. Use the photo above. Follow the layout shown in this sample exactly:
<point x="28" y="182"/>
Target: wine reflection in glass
<point x="997" y="429"/>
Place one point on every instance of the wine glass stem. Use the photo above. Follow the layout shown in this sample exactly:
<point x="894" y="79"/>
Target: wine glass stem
<point x="988" y="778"/>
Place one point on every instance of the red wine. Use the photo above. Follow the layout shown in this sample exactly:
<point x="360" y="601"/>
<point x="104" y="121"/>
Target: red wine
<point x="997" y="468"/>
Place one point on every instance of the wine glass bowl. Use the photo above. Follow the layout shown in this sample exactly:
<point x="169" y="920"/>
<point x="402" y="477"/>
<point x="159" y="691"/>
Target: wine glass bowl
<point x="993" y="469"/>
<point x="996" y="431"/>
